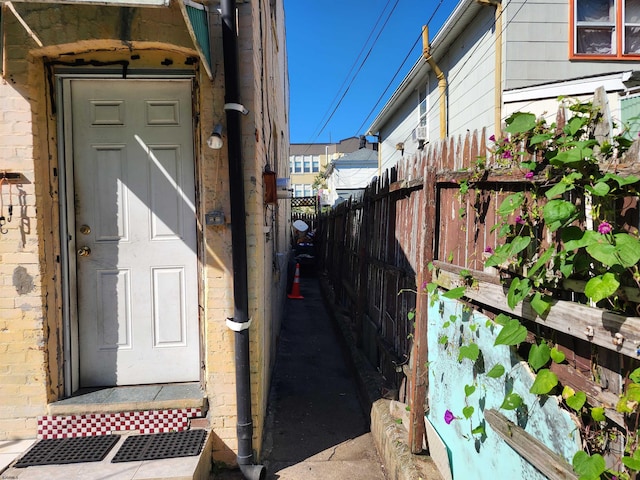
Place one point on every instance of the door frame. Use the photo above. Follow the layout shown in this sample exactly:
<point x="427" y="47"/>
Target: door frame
<point x="70" y="334"/>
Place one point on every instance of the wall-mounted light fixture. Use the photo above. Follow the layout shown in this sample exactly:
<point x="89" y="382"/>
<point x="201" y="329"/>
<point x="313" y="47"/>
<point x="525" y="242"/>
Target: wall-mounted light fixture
<point x="215" y="139"/>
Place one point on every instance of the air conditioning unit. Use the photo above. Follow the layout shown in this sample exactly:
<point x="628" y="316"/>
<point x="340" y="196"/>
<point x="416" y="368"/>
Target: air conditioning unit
<point x="419" y="133"/>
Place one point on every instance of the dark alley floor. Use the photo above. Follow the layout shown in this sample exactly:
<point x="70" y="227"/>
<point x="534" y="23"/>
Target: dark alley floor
<point x="315" y="427"/>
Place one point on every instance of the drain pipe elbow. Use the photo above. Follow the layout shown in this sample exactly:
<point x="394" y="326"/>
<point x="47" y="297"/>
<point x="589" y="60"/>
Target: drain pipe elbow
<point x="254" y="472"/>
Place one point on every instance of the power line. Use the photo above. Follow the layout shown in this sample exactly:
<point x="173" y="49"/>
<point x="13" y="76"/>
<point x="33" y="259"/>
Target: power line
<point x="397" y="71"/>
<point x="355" y="62"/>
<point x="358" y="71"/>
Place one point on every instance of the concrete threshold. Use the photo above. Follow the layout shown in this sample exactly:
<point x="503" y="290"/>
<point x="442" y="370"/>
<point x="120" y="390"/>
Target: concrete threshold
<point x="182" y="468"/>
<point x="131" y="398"/>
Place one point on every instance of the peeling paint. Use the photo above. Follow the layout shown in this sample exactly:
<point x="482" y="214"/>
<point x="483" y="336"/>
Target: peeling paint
<point x="22" y="281"/>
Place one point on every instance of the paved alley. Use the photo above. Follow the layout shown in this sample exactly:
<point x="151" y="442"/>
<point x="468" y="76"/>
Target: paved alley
<point x="315" y="428"/>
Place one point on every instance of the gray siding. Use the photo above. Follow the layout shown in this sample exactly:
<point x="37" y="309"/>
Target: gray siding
<point x="537" y="46"/>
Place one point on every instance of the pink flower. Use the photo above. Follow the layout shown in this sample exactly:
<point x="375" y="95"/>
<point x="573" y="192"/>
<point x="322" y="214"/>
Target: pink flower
<point x="492" y="138"/>
<point x="507" y="154"/>
<point x="528" y="175"/>
<point x="604" y="228"/>
<point x="519" y="220"/>
<point x="449" y="417"/>
<point x="488" y="249"/>
<point x="424" y="285"/>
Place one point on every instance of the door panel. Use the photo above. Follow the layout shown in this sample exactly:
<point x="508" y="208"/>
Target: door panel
<point x="135" y="236"/>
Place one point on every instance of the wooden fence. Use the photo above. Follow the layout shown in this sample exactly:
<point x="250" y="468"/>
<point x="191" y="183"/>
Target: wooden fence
<point x="376" y="253"/>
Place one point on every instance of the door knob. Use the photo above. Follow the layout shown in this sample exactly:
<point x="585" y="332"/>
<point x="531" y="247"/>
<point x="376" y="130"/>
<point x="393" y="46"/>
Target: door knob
<point x="85" y="229"/>
<point x="84" y="251"/>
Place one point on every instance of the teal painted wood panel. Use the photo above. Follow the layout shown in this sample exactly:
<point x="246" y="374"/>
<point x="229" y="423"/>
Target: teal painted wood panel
<point x="200" y="24"/>
<point x="476" y="456"/>
<point x="630" y="107"/>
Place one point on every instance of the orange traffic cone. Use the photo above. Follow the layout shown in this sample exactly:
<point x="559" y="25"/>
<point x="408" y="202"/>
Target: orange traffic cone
<point x="295" y="291"/>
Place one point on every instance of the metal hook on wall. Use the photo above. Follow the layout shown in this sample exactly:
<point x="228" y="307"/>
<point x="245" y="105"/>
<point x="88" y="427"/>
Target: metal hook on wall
<point x="3" y="220"/>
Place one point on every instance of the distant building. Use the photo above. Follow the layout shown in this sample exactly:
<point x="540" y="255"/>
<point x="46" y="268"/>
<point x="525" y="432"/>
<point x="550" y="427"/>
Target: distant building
<point x="308" y="160"/>
<point x="349" y="175"/>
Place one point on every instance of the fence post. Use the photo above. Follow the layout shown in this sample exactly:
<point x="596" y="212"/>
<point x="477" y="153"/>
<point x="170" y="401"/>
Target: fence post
<point x="420" y="379"/>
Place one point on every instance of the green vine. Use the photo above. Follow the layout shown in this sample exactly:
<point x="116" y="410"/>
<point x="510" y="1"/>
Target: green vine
<point x="584" y="242"/>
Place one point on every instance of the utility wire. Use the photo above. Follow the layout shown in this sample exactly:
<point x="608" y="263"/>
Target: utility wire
<point x="358" y="71"/>
<point x="355" y="62"/>
<point x="397" y="71"/>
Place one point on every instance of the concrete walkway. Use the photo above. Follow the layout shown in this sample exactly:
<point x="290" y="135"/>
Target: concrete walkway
<point x="316" y="428"/>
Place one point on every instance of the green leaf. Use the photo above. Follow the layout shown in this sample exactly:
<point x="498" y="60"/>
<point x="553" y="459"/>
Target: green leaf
<point x="468" y="390"/>
<point x="575" y="237"/>
<point x="510" y="204"/>
<point x="502" y="319"/>
<point x="520" y="122"/>
<point x="470" y="351"/>
<point x="635" y="375"/>
<point x="467" y="411"/>
<point x="600" y="189"/>
<point x="577" y="401"/>
<point x="496" y="372"/>
<point x="574" y="124"/>
<point x="632" y="463"/>
<point x="544" y="258"/>
<point x="511" y="401"/>
<point x="589" y="467"/>
<point x="558" y="213"/>
<point x="558" y="189"/>
<point x="455" y="293"/>
<point x="479" y="430"/>
<point x="633" y="392"/>
<point x="557" y="356"/>
<point x="622" y="181"/>
<point x="518" y="244"/>
<point x="597" y="413"/>
<point x="624" y="251"/>
<point x="540" y="137"/>
<point x="545" y="381"/>
<point x="539" y="356"/>
<point x="511" y="334"/>
<point x="540" y="303"/>
<point x="518" y="291"/>
<point x="602" y="286"/>
<point x="443" y="339"/>
<point x="411" y="315"/>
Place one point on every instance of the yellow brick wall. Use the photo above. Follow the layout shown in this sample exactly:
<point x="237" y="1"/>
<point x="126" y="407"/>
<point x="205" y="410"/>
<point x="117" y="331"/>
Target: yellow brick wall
<point x="30" y="285"/>
<point x="22" y="342"/>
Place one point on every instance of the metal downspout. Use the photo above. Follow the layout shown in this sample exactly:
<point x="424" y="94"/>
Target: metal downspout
<point x="442" y="81"/>
<point x="240" y="321"/>
<point x="497" y="98"/>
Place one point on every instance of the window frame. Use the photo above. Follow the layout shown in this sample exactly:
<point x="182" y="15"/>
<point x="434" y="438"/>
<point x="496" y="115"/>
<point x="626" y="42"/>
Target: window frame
<point x="618" y="35"/>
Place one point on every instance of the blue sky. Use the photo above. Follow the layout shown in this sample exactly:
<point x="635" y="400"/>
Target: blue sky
<point x="327" y="43"/>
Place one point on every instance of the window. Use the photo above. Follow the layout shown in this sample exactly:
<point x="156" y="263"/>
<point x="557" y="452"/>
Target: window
<point x="298" y="190"/>
<point x="315" y="167"/>
<point x="307" y="164"/>
<point x="605" y="28"/>
<point x="297" y="164"/>
<point x="423" y="108"/>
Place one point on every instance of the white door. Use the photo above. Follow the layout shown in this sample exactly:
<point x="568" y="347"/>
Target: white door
<point x="135" y="231"/>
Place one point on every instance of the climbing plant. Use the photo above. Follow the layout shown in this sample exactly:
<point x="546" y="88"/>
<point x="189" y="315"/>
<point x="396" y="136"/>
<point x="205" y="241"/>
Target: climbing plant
<point x="564" y="226"/>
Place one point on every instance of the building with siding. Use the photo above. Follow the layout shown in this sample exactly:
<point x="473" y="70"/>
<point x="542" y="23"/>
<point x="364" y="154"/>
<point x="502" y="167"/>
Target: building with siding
<point x="491" y="58"/>
<point x="117" y="261"/>
<point x="308" y="160"/>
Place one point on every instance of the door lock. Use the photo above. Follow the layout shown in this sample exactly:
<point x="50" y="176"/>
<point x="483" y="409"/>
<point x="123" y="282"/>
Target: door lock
<point x="85" y="229"/>
<point x="84" y="251"/>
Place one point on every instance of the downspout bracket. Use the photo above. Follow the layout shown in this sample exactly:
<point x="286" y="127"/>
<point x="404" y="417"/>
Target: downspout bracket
<point x="238" y="326"/>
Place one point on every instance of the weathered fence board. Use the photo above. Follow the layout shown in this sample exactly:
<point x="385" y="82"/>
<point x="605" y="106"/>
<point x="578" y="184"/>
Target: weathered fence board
<point x="376" y="253"/>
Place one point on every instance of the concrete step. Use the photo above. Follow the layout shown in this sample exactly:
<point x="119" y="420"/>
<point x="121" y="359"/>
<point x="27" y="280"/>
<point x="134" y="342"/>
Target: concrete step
<point x="182" y="468"/>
